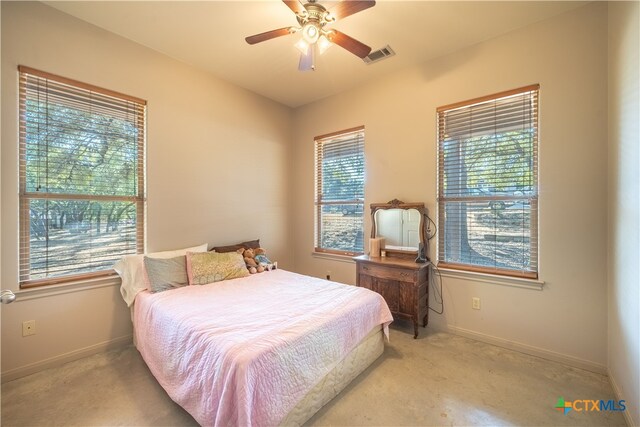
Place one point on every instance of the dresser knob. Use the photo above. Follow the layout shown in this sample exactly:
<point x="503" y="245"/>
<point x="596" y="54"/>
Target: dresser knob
<point x="365" y="268"/>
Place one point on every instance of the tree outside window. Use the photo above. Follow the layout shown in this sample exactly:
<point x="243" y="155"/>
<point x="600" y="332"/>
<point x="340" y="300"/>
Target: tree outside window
<point x="340" y="192"/>
<point x="488" y="184"/>
<point x="81" y="179"/>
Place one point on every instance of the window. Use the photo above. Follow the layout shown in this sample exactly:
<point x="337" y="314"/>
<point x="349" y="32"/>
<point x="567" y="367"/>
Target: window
<point x="82" y="190"/>
<point x="488" y="184"/>
<point x="339" y="183"/>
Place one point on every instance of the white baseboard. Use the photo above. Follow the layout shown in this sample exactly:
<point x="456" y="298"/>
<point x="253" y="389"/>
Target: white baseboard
<point x="628" y="417"/>
<point x="528" y="349"/>
<point x="61" y="359"/>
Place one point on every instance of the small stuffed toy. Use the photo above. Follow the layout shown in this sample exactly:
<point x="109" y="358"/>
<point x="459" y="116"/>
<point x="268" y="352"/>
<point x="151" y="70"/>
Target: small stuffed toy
<point x="249" y="260"/>
<point x="261" y="259"/>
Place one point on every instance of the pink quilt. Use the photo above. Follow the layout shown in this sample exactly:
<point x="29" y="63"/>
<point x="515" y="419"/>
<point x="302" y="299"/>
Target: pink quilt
<point x="244" y="352"/>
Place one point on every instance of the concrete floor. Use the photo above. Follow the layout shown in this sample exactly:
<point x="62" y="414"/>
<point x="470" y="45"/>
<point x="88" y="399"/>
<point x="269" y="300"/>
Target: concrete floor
<point x="438" y="379"/>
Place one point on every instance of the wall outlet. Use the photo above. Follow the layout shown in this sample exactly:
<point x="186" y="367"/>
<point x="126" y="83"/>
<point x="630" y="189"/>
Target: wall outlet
<point x="28" y="328"/>
<point x="475" y="303"/>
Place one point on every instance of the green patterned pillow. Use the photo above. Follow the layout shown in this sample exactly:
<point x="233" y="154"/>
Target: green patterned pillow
<point x="209" y="267"/>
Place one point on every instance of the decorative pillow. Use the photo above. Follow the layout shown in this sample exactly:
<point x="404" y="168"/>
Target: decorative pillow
<point x="209" y="267"/>
<point x="130" y="268"/>
<point x="251" y="244"/>
<point x="165" y="274"/>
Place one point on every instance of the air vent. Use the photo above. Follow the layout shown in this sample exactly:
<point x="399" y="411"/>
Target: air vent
<point x="379" y="55"/>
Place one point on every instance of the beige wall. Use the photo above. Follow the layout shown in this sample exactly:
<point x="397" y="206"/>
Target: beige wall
<point x="217" y="170"/>
<point x="201" y="128"/>
<point x="567" y="56"/>
<point x="624" y="204"/>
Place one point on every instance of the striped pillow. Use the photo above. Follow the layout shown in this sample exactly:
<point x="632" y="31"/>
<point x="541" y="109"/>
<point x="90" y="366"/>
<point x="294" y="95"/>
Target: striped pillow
<point x="165" y="274"/>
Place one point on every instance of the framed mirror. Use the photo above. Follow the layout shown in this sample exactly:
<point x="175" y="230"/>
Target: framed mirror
<point x="402" y="225"/>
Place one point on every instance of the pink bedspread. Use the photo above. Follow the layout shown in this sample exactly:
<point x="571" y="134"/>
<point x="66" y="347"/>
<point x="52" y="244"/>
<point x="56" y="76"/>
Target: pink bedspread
<point x="244" y="352"/>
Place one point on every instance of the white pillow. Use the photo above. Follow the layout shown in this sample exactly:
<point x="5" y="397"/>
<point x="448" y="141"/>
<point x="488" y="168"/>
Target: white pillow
<point x="130" y="268"/>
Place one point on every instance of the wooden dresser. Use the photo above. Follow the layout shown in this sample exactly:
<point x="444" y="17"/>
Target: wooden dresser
<point x="401" y="281"/>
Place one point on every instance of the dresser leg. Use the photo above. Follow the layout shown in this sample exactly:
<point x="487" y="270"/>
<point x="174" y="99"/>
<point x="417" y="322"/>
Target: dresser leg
<point x="415" y="329"/>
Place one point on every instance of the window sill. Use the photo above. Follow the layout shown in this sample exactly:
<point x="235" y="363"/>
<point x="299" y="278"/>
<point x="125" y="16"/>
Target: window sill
<point x="532" y="284"/>
<point x="334" y="257"/>
<point x="65" y="288"/>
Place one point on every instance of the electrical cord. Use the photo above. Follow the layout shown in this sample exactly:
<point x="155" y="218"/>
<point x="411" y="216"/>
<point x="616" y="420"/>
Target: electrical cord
<point x="437" y="293"/>
<point x="435" y="228"/>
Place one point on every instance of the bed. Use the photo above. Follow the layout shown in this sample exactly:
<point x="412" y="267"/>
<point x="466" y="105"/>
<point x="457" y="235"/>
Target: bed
<point x="264" y="350"/>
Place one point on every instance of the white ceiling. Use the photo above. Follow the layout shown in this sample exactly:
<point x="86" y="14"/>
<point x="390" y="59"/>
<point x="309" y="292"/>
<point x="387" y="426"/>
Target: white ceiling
<point x="210" y="35"/>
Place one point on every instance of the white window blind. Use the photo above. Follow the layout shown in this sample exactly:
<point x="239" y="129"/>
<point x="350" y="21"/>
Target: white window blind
<point x="488" y="184"/>
<point x="82" y="170"/>
<point x="339" y="172"/>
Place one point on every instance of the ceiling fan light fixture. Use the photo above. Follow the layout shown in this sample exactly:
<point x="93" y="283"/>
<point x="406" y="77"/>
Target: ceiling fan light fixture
<point x="323" y="44"/>
<point x="302" y="46"/>
<point x="311" y="32"/>
<point x="315" y="38"/>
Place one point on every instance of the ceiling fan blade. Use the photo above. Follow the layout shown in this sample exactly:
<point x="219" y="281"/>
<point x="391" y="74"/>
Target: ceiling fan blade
<point x="257" y="38"/>
<point x="295" y="6"/>
<point x="349" y="7"/>
<point x="349" y="43"/>
<point x="307" y="60"/>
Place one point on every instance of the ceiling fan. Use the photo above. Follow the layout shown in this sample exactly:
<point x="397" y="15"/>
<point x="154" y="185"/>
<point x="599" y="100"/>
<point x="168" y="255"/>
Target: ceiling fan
<point x="313" y="17"/>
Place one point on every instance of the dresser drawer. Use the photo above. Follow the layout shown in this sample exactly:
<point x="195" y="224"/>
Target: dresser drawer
<point x="389" y="273"/>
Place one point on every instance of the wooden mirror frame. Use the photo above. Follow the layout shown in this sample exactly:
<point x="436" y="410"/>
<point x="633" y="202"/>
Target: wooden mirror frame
<point x="398" y="204"/>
